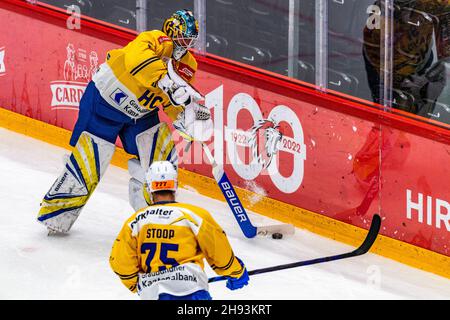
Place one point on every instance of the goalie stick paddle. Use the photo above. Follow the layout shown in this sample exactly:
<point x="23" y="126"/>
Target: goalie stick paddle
<point x="239" y="212"/>
<point x="362" y="249"/>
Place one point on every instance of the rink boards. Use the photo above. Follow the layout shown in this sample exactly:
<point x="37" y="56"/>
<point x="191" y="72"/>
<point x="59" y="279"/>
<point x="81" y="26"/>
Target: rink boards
<point x="337" y="164"/>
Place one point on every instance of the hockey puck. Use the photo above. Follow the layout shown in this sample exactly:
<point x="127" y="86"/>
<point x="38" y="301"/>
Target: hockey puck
<point x="277" y="235"/>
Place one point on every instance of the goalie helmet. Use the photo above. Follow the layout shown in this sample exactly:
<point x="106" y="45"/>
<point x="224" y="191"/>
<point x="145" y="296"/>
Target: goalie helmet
<point x="182" y="28"/>
<point x="161" y="176"/>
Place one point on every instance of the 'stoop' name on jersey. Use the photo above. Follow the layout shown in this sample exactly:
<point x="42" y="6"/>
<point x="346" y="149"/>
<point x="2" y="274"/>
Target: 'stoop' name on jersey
<point x="148" y="212"/>
<point x="160" y="233"/>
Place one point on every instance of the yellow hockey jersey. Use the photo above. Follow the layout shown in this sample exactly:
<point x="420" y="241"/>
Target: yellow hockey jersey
<point x="128" y="79"/>
<point x="161" y="248"/>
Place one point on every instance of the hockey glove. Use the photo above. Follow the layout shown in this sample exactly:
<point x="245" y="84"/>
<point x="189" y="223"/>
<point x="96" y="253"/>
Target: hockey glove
<point x="194" y="123"/>
<point x="177" y="89"/>
<point x="238" y="283"/>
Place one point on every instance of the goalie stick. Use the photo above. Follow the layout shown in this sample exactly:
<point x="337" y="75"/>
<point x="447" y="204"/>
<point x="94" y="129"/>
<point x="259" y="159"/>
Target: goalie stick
<point x="362" y="249"/>
<point x="239" y="212"/>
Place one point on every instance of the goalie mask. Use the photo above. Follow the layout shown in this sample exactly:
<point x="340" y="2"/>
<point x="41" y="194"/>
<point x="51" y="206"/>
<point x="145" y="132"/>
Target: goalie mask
<point x="182" y="28"/>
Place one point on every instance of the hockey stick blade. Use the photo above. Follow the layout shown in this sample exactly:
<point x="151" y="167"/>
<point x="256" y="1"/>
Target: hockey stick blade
<point x="284" y="229"/>
<point x="362" y="249"/>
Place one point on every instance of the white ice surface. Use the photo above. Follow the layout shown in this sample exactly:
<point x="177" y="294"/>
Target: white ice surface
<point x="75" y="266"/>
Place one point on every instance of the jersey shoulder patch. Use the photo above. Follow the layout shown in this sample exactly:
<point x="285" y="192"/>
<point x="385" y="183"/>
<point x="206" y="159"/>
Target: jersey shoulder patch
<point x="185" y="71"/>
<point x="187" y="67"/>
<point x="162" y="39"/>
<point x="156" y="38"/>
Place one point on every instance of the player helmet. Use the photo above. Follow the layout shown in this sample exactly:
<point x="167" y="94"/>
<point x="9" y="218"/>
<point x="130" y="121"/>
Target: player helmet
<point x="161" y="176"/>
<point x="182" y="28"/>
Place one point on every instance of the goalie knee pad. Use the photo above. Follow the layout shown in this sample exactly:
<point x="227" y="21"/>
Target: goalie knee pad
<point x="83" y="170"/>
<point x="154" y="144"/>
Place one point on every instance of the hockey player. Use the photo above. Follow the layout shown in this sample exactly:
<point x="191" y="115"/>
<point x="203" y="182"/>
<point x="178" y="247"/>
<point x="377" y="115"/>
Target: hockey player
<point x="154" y="70"/>
<point x="159" y="251"/>
<point x="421" y="51"/>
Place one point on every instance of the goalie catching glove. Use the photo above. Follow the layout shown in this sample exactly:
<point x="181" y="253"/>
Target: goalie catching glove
<point x="180" y="92"/>
<point x="194" y="123"/>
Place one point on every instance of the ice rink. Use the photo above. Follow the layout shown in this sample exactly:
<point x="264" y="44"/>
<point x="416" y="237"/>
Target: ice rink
<point x="75" y="266"/>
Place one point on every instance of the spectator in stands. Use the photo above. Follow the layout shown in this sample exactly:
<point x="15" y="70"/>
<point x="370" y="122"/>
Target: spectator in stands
<point x="421" y="50"/>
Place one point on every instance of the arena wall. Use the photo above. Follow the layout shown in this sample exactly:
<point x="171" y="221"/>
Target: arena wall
<point x="340" y="160"/>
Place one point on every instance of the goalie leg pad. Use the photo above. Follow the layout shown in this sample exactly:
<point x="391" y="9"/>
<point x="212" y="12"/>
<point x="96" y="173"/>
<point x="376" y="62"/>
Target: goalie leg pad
<point x="82" y="172"/>
<point x="154" y="144"/>
<point x="138" y="195"/>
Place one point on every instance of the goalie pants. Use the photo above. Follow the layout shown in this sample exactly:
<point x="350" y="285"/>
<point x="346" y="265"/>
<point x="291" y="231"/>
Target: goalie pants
<point x="97" y="117"/>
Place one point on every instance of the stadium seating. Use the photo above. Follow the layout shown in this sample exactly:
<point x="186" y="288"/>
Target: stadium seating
<point x="163" y="9"/>
<point x="256" y="32"/>
<point x="121" y="16"/>
<point x="440" y="112"/>
<point x="216" y="44"/>
<point x="342" y="82"/>
<point x="251" y="55"/>
<point x="86" y="7"/>
<point x="155" y="23"/>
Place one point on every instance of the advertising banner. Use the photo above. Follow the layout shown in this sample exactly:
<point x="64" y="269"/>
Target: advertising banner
<point x="276" y="145"/>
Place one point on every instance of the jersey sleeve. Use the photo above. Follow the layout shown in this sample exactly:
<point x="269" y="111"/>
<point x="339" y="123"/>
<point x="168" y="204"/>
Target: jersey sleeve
<point x="143" y="58"/>
<point x="124" y="260"/>
<point x="217" y="249"/>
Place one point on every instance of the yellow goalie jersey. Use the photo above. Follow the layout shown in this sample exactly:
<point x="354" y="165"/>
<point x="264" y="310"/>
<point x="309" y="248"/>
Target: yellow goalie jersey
<point x="128" y="79"/>
<point x="161" y="248"/>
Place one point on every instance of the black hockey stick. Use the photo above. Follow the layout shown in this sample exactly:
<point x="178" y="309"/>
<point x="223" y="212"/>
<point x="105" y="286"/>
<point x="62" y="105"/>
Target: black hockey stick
<point x="362" y="249"/>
